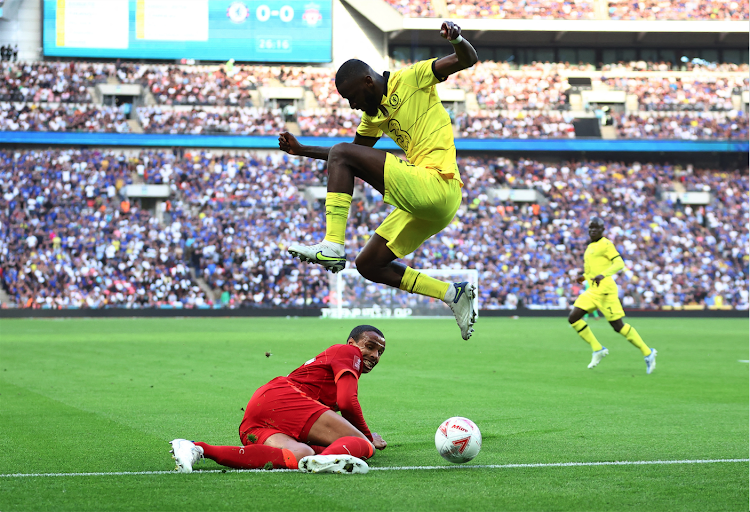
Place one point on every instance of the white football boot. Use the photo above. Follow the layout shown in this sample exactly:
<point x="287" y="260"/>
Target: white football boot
<point x="460" y="298"/>
<point x="328" y="254"/>
<point x="185" y="454"/>
<point x="596" y="357"/>
<point x="650" y="361"/>
<point x="346" y="464"/>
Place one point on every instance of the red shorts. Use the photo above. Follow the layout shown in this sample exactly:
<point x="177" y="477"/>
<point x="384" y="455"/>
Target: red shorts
<point x="279" y="408"/>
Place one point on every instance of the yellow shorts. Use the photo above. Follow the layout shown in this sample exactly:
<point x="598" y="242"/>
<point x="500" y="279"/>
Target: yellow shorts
<point x="608" y="303"/>
<point x="425" y="201"/>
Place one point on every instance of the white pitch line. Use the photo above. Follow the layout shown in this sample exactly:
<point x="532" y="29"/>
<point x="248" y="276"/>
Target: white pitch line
<point x="743" y="360"/>
<point x="396" y="468"/>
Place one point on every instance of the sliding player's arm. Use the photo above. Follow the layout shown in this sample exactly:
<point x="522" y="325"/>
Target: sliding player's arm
<point x="464" y="55"/>
<point x="288" y="143"/>
<point x="346" y="399"/>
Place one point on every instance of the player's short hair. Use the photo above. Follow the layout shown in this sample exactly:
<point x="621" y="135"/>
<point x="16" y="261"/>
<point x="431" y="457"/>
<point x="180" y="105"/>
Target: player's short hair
<point x="358" y="331"/>
<point x="597" y="220"/>
<point x="351" y="69"/>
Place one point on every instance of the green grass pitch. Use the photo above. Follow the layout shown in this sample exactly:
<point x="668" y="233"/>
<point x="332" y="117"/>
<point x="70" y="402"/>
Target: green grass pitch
<point x="106" y="396"/>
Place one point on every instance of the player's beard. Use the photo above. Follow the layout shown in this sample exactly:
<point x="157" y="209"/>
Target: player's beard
<point x="371" y="106"/>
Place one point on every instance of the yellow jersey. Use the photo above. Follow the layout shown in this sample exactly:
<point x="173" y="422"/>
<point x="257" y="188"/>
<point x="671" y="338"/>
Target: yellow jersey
<point x="601" y="257"/>
<point x="412" y="115"/>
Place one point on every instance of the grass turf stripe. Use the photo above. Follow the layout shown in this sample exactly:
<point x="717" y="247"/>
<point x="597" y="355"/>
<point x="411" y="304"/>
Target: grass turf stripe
<point x="396" y="468"/>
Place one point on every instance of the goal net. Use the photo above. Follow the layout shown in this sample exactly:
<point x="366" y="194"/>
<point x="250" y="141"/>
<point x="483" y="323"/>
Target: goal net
<point x="352" y="296"/>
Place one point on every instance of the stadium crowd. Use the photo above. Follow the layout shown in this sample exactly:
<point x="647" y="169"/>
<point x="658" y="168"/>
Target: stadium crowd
<point x="210" y="99"/>
<point x="218" y="120"/>
<point x="41" y="82"/>
<point x="63" y="118"/>
<point x="70" y="237"/>
<point x="681" y="10"/>
<point x="575" y="9"/>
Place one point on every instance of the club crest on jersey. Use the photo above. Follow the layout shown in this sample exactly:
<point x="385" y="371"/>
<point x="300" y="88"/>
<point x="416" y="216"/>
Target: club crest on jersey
<point x="312" y="15"/>
<point x="394" y="100"/>
<point x="238" y="12"/>
<point x="357" y="362"/>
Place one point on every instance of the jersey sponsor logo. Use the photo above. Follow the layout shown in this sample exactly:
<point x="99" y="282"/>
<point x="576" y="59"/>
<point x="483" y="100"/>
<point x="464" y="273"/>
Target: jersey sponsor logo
<point x="461" y="443"/>
<point x="357" y="362"/>
<point x="399" y="136"/>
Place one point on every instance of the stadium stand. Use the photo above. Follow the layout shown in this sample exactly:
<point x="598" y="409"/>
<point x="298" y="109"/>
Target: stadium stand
<point x="541" y="89"/>
<point x="71" y="236"/>
<point x="71" y="239"/>
<point x="573" y="10"/>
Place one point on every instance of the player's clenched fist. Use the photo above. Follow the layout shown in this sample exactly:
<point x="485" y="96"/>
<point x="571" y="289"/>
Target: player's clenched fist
<point x="378" y="441"/>
<point x="288" y="143"/>
<point x="450" y="30"/>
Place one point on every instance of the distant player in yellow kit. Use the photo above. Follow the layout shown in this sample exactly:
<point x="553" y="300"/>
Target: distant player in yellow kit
<point x="601" y="261"/>
<point x="426" y="189"/>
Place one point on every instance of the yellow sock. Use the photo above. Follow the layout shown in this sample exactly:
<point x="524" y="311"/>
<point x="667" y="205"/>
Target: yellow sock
<point x="633" y="337"/>
<point x="582" y="328"/>
<point x="337" y="213"/>
<point x="414" y="281"/>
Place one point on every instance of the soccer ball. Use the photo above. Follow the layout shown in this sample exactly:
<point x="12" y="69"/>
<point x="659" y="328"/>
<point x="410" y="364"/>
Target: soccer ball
<point x="458" y="440"/>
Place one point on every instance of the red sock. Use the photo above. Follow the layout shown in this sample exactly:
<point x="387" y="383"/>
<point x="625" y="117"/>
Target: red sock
<point x="317" y="449"/>
<point x="356" y="446"/>
<point x="254" y="456"/>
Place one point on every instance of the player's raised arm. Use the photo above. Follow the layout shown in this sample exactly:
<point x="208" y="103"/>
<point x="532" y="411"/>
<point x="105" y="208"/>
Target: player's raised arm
<point x="288" y="143"/>
<point x="464" y="55"/>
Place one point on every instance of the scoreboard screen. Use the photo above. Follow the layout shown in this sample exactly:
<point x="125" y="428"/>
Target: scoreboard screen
<point x="218" y="30"/>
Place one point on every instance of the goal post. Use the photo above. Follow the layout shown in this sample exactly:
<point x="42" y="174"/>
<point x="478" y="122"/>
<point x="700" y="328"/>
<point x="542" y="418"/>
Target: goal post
<point x="353" y="296"/>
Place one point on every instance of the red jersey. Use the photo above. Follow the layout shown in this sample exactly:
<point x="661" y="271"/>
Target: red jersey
<point x="317" y="378"/>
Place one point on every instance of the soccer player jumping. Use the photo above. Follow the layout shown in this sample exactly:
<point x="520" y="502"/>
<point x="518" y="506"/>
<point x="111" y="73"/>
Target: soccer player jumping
<point x="426" y="190"/>
<point x="601" y="261"/>
<point x="290" y="422"/>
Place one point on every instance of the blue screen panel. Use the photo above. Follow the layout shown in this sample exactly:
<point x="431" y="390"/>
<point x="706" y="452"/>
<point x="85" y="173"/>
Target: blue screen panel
<point x="218" y="30"/>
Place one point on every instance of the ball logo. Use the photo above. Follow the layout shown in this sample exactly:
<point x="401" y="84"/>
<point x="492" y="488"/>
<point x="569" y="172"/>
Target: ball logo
<point x="461" y="443"/>
<point x="459" y="427"/>
<point x="238" y="12"/>
<point x="312" y="15"/>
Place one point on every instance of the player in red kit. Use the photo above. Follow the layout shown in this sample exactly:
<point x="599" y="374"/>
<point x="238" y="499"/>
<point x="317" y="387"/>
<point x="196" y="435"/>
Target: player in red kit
<point x="290" y="422"/>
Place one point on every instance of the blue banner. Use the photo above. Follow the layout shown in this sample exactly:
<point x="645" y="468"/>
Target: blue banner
<point x="215" y="30"/>
<point x="271" y="142"/>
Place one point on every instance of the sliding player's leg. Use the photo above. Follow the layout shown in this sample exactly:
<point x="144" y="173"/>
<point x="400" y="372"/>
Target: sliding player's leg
<point x="265" y="448"/>
<point x="345" y="162"/>
<point x="278" y="451"/>
<point x="346" y="447"/>
<point x="582" y="305"/>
